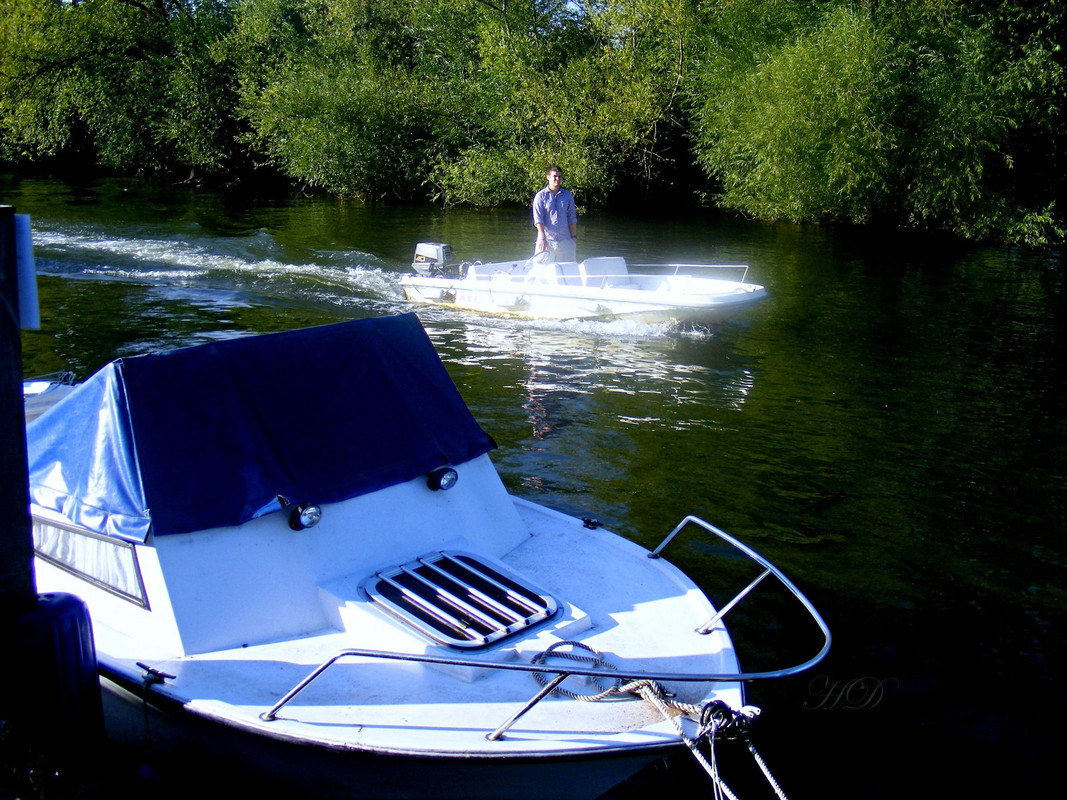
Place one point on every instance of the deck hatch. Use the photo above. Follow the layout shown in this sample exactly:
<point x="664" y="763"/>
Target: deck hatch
<point x="459" y="600"/>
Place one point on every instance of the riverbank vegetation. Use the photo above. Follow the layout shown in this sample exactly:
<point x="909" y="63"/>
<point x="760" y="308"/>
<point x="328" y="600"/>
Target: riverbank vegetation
<point x="940" y="114"/>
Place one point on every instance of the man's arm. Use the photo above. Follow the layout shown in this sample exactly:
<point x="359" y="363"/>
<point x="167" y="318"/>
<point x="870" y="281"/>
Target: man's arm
<point x="538" y="217"/>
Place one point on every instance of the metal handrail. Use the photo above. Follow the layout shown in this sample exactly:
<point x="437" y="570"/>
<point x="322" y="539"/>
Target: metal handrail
<point x="678" y="266"/>
<point x="564" y="672"/>
<point x="769" y="569"/>
<point x="520" y="271"/>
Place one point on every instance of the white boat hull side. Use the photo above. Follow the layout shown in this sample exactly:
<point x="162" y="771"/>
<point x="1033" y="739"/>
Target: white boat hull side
<point x="177" y="736"/>
<point x="569" y="302"/>
<point x="374" y="729"/>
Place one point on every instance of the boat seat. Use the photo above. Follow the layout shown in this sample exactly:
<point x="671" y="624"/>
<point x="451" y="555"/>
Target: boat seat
<point x="568" y="274"/>
<point x="603" y="270"/>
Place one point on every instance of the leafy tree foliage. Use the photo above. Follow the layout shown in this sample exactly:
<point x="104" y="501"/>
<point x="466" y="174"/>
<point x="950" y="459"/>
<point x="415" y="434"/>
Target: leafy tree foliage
<point x="594" y="88"/>
<point x="923" y="113"/>
<point x="327" y="99"/>
<point x="804" y="131"/>
<point x="134" y="86"/>
<point x="934" y="113"/>
<point x="983" y="117"/>
<point x="199" y="127"/>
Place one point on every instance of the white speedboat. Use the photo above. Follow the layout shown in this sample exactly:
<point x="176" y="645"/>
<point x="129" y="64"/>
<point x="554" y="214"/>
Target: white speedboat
<point x="300" y="561"/>
<point x="603" y="287"/>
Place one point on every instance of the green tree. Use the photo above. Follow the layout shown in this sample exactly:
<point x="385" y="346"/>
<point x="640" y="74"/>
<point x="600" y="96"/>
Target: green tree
<point x="804" y="132"/>
<point x="979" y="116"/>
<point x="198" y="126"/>
<point x="933" y="113"/>
<point x="134" y="86"/>
<point x="328" y="91"/>
<point x="918" y="113"/>
<point x="592" y="87"/>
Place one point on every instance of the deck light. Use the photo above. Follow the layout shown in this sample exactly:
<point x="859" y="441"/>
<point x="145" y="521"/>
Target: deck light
<point x="301" y="515"/>
<point x="442" y="479"/>
<point x="305" y="515"/>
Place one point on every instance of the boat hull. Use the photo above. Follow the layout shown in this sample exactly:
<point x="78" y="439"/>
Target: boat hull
<point x="173" y="735"/>
<point x="40" y="394"/>
<point x="371" y="728"/>
<point x="552" y="302"/>
<point x="602" y="288"/>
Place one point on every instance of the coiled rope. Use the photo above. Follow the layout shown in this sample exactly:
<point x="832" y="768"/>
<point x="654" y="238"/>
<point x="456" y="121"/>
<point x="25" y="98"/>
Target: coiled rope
<point x="717" y="719"/>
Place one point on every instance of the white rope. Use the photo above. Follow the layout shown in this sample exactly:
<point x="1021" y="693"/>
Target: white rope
<point x="653" y="693"/>
<point x="766" y="771"/>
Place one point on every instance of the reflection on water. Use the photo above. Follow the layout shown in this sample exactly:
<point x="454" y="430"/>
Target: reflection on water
<point x="596" y="398"/>
<point x="889" y="427"/>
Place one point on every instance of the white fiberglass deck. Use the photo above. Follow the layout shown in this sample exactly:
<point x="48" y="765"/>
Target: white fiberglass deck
<point x="645" y="623"/>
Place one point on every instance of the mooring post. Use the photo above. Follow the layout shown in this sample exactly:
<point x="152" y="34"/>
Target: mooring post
<point x="17" y="591"/>
<point x="48" y="678"/>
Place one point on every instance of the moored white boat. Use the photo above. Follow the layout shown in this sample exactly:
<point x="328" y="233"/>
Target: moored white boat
<point x="42" y="392"/>
<point x="602" y="287"/>
<point x="328" y="584"/>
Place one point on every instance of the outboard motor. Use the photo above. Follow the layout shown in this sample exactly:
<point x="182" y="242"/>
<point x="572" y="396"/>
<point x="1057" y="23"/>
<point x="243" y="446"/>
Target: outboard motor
<point x="433" y="259"/>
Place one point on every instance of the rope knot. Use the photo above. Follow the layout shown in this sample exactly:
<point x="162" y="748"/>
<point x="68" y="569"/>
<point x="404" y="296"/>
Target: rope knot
<point x="719" y="720"/>
<point x="594" y="657"/>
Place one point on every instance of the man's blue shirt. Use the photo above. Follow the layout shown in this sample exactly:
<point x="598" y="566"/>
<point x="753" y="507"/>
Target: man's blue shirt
<point x="556" y="212"/>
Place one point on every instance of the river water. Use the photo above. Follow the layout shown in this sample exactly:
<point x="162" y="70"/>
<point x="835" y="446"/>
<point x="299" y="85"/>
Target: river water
<point x="888" y="427"/>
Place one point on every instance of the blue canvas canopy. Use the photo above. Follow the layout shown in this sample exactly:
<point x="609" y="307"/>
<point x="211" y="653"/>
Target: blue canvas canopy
<point x="211" y="435"/>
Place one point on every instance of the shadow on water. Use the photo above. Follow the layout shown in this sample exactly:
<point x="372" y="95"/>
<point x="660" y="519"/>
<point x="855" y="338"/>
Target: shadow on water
<point x="888" y="427"/>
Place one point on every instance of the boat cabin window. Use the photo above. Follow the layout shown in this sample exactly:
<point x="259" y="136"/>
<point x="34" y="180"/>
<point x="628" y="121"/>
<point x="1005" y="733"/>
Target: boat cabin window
<point x="108" y="563"/>
<point x="458" y="600"/>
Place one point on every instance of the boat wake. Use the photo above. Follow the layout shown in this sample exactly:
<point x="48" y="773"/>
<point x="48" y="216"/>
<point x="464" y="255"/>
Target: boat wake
<point x="255" y="264"/>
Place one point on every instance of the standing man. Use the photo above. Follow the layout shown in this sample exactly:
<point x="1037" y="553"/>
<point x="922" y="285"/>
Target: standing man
<point x="555" y="218"/>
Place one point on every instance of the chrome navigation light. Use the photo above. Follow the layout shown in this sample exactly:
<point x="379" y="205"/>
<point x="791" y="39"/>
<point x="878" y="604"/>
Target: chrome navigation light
<point x="301" y="515"/>
<point x="442" y="479"/>
<point x="304" y="515"/>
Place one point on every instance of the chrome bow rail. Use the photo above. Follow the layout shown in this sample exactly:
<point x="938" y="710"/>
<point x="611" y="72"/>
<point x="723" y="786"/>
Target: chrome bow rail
<point x="768" y="569"/>
<point x="563" y="672"/>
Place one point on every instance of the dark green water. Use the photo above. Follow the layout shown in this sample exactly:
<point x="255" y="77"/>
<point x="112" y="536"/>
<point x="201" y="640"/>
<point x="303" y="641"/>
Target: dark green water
<point x="888" y="428"/>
